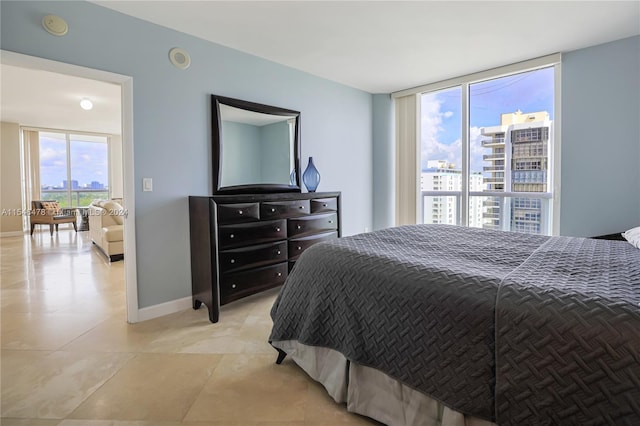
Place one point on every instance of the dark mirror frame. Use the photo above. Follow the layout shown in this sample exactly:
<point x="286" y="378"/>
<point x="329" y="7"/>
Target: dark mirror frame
<point x="217" y="146"/>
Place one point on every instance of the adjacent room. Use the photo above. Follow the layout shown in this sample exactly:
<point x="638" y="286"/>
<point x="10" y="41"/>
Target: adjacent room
<point x="320" y="213"/>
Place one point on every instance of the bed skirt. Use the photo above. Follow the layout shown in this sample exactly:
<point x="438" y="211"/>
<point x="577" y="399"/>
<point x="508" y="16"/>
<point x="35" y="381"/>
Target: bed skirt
<point x="370" y="392"/>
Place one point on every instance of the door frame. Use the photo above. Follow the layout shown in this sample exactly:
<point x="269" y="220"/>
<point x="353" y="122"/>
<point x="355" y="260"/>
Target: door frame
<point x="126" y="84"/>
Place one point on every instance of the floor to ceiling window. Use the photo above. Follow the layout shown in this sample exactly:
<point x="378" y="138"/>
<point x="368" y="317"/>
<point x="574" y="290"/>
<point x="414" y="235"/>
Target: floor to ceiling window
<point x="487" y="151"/>
<point x="74" y="168"/>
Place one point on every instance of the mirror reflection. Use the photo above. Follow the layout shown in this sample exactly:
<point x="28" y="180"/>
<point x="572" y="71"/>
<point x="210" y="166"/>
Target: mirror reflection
<point x="256" y="148"/>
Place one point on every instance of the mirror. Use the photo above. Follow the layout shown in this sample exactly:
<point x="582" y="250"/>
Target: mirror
<point x="255" y="147"/>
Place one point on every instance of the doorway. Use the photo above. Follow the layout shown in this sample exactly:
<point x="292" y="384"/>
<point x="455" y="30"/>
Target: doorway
<point x="126" y="85"/>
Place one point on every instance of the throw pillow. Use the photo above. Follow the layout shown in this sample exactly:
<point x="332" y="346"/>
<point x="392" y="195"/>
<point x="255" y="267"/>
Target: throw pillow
<point x="115" y="210"/>
<point x="52" y="208"/>
<point x="633" y="236"/>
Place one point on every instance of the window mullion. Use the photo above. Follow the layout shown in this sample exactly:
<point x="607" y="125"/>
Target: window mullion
<point x="464" y="201"/>
<point x="69" y="185"/>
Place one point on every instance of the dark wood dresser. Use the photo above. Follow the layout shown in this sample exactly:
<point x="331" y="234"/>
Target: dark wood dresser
<point x="244" y="244"/>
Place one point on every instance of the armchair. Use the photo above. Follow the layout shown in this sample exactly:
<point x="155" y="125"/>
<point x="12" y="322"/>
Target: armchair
<point x="49" y="213"/>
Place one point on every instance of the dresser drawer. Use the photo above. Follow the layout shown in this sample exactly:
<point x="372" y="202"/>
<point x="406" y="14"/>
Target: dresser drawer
<point x="284" y="209"/>
<point x="298" y="245"/>
<point x="236" y="285"/>
<point x="315" y="224"/>
<point x="252" y="257"/>
<point x="234" y="213"/>
<point x="230" y="236"/>
<point x="319" y="205"/>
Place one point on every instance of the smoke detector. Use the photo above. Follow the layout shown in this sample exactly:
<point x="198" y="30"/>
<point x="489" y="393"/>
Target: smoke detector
<point x="55" y="25"/>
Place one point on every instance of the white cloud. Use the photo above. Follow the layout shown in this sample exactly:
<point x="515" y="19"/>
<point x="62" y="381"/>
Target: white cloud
<point x="432" y="129"/>
<point x="476" y="151"/>
<point x="50" y="154"/>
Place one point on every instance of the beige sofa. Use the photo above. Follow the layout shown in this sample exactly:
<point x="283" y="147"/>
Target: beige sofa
<point x="106" y="226"/>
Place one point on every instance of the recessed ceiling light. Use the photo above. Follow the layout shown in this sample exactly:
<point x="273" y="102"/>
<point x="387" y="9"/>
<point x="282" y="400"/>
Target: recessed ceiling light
<point x="86" y="104"/>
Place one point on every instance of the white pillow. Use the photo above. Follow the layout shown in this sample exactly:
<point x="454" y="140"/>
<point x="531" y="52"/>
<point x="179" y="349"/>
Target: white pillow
<point x="633" y="236"/>
<point x="115" y="210"/>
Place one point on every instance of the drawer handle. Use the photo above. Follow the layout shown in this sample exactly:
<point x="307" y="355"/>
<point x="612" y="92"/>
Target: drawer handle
<point x="233" y="261"/>
<point x="273" y="210"/>
<point x="279" y="274"/>
<point x="278" y="252"/>
<point x="240" y="212"/>
<point x="301" y="207"/>
<point x="277" y="229"/>
<point x="299" y="248"/>
<point x="231" y="236"/>
<point x="330" y="221"/>
<point x="233" y="286"/>
<point x="298" y="227"/>
<point x="324" y="205"/>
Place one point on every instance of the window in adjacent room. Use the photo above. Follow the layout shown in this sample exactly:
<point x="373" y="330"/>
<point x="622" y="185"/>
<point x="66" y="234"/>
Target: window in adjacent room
<point x="487" y="151"/>
<point x="74" y="168"/>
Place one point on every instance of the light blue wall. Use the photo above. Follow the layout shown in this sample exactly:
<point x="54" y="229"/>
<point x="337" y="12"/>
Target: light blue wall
<point x="241" y="154"/>
<point x="171" y="128"/>
<point x="275" y="149"/>
<point x="601" y="139"/>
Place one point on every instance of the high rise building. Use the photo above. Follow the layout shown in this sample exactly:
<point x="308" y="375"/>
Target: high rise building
<point x="521" y="142"/>
<point x="441" y="175"/>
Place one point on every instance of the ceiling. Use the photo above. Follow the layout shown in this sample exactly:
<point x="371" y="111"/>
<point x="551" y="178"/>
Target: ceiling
<point x="46" y="99"/>
<point x="386" y="46"/>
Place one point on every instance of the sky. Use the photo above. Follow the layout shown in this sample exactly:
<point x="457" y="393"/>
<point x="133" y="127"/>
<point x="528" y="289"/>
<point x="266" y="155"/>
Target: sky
<point x="441" y="133"/>
<point x="89" y="160"/>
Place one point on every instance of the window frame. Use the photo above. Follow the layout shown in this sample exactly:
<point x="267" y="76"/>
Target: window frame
<point x="464" y="82"/>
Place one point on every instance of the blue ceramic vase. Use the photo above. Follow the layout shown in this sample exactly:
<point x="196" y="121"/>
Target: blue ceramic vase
<point x="311" y="176"/>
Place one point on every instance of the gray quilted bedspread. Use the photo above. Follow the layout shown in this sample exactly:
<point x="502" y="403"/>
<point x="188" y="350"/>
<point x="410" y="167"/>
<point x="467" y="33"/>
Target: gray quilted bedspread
<point x="522" y="329"/>
<point x="568" y="336"/>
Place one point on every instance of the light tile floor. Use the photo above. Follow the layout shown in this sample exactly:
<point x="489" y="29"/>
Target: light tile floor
<point x="69" y="358"/>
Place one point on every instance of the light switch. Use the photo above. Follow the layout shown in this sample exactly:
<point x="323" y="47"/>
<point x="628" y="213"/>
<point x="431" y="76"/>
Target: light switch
<point x="147" y="184"/>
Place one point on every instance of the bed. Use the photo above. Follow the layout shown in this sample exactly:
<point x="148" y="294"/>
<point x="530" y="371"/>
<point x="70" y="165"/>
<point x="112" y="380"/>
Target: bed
<point x="439" y="324"/>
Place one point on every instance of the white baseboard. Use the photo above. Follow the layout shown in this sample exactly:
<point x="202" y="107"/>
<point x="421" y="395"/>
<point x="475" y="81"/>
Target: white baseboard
<point x="11" y="234"/>
<point x="163" y="309"/>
